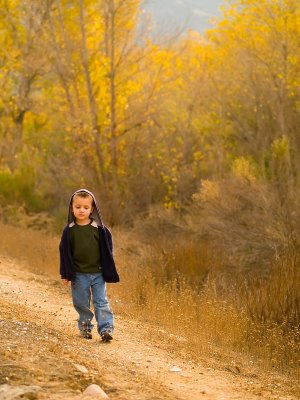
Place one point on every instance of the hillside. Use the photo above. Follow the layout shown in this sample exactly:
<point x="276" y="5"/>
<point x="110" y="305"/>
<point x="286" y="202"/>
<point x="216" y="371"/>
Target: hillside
<point x="189" y="14"/>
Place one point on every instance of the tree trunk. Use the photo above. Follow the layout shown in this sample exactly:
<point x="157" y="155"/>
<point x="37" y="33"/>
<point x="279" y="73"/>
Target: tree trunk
<point x="91" y="99"/>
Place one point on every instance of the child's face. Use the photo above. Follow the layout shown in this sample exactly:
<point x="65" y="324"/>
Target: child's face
<point x="82" y="207"/>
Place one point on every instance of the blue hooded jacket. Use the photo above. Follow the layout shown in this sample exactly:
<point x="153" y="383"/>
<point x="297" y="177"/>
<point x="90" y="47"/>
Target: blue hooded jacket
<point x="108" y="266"/>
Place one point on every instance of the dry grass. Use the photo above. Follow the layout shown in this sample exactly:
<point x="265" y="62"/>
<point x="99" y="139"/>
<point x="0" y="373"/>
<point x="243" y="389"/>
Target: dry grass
<point x="221" y="311"/>
<point x="205" y="321"/>
<point x="38" y="249"/>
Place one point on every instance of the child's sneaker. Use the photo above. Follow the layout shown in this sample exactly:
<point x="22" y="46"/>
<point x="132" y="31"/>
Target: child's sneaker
<point x="106" y="336"/>
<point x="86" y="332"/>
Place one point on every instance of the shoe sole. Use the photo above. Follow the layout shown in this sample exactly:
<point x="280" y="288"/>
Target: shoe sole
<point x="106" y="337"/>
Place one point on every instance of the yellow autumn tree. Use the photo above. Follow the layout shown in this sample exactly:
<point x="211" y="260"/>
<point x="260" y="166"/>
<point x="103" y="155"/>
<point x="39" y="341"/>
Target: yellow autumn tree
<point x="257" y="48"/>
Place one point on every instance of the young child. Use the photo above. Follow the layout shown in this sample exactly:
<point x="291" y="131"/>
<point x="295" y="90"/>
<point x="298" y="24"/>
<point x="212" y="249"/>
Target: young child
<point x="86" y="259"/>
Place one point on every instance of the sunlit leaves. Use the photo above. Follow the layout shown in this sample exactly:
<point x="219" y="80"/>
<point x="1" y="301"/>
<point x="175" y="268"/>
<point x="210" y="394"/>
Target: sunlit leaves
<point x="81" y="80"/>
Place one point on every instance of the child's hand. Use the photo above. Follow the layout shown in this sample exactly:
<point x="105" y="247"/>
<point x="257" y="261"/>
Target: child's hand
<point x="65" y="282"/>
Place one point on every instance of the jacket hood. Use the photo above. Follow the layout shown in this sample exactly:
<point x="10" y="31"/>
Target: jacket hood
<point x="96" y="215"/>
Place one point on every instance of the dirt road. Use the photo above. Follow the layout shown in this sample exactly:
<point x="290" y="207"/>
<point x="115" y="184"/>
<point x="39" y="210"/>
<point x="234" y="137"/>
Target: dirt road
<point x="40" y="346"/>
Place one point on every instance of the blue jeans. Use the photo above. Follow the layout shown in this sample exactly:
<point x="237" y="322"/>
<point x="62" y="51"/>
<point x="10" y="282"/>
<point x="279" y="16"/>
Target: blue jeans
<point x="83" y="287"/>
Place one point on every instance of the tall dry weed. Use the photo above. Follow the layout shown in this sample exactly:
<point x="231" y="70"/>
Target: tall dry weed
<point x="237" y="247"/>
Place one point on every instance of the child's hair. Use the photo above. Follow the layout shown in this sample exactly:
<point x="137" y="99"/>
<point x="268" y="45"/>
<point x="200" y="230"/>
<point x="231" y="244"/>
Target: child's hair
<point x="84" y="195"/>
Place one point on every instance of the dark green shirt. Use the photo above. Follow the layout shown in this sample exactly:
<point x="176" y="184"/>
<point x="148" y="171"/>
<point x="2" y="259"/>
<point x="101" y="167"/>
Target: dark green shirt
<point x="85" y="248"/>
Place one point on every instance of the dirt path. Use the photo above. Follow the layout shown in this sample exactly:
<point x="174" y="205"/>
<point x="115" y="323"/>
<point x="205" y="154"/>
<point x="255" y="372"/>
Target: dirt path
<point x="40" y="346"/>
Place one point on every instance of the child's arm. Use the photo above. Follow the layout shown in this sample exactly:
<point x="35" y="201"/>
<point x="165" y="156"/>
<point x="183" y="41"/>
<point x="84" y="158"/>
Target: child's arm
<point x="109" y="239"/>
<point x="65" y="282"/>
<point x="62" y="255"/>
